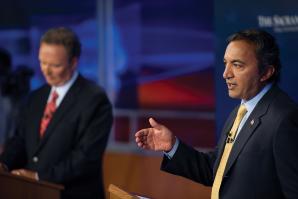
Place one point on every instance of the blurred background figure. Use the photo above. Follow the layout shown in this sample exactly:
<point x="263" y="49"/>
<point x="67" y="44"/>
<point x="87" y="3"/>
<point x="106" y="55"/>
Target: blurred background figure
<point x="14" y="86"/>
<point x="5" y="102"/>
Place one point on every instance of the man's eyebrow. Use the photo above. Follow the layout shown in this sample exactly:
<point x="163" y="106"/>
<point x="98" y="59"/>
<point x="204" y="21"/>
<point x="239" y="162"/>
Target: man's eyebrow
<point x="234" y="61"/>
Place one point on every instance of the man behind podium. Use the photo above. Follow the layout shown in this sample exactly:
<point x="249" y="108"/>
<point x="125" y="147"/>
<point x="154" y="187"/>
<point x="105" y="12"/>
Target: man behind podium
<point x="263" y="160"/>
<point x="66" y="147"/>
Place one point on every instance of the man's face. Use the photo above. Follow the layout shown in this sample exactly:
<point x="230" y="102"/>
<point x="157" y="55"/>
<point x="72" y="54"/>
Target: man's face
<point x="55" y="64"/>
<point x="241" y="72"/>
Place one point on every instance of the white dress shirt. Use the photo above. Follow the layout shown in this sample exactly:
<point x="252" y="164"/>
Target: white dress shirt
<point x="62" y="90"/>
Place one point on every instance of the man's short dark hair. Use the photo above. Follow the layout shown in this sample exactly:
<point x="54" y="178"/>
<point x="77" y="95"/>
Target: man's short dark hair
<point x="66" y="37"/>
<point x="266" y="49"/>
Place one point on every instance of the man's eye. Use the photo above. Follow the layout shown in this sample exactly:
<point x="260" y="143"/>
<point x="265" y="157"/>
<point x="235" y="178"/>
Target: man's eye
<point x="55" y="65"/>
<point x="237" y="65"/>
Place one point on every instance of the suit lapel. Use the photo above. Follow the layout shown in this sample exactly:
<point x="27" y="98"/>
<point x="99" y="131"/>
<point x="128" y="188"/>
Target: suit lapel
<point x="37" y="114"/>
<point x="66" y="104"/>
<point x="250" y="126"/>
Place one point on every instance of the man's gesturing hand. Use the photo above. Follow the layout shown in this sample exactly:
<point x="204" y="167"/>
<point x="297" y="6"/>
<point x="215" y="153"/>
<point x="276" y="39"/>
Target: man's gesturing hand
<point x="157" y="138"/>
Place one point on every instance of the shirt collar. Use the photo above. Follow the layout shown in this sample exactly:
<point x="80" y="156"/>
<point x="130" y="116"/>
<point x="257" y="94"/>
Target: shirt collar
<point x="62" y="90"/>
<point x="251" y="104"/>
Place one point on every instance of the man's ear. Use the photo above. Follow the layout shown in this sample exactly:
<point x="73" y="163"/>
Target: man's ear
<point x="269" y="72"/>
<point x="74" y="63"/>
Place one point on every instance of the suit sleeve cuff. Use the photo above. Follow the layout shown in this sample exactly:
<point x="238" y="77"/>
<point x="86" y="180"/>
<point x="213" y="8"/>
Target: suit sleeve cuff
<point x="172" y="152"/>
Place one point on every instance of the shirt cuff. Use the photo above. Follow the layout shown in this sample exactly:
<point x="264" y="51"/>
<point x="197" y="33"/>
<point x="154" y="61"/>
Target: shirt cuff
<point x="172" y="152"/>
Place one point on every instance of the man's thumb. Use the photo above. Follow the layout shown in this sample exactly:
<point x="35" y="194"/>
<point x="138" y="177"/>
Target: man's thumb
<point x="154" y="124"/>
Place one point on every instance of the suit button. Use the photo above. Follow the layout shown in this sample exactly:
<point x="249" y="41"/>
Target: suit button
<point x="35" y="159"/>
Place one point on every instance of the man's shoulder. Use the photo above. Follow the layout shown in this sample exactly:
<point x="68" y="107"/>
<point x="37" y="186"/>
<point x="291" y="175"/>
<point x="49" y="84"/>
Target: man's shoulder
<point x="283" y="98"/>
<point x="43" y="89"/>
<point x="89" y="92"/>
<point x="282" y="102"/>
<point x="88" y="86"/>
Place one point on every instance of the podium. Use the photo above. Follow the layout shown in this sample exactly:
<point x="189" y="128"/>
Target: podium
<point x="117" y="193"/>
<point x="18" y="187"/>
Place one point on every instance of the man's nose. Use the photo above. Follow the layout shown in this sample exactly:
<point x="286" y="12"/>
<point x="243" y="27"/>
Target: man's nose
<point x="227" y="72"/>
<point x="46" y="68"/>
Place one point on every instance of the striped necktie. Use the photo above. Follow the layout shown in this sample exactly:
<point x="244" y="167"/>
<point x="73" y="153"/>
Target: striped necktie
<point x="48" y="113"/>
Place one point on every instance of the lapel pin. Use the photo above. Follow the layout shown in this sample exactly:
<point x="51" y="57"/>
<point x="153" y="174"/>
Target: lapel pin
<point x="252" y="122"/>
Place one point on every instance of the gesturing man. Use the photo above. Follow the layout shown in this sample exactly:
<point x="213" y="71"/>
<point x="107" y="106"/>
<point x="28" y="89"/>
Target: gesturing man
<point x="257" y="153"/>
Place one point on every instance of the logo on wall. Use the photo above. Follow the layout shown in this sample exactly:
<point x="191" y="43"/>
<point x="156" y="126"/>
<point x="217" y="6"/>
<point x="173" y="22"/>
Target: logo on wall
<point x="279" y="23"/>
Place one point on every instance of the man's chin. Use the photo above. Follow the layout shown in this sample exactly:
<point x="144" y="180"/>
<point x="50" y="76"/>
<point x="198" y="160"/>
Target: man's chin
<point x="233" y="95"/>
<point x="51" y="83"/>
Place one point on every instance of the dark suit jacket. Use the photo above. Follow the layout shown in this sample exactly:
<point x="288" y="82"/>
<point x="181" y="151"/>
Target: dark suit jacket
<point x="72" y="148"/>
<point x="264" y="160"/>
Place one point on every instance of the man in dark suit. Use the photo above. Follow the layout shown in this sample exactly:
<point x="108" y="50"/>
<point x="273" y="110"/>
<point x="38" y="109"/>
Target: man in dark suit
<point x="257" y="154"/>
<point x="65" y="124"/>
